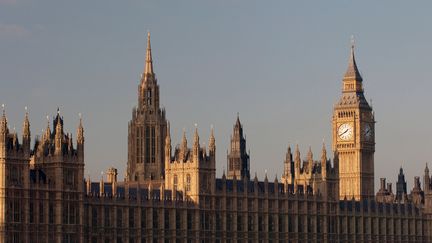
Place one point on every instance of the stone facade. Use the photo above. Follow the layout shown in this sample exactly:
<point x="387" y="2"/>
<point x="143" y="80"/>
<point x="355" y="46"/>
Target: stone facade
<point x="41" y="192"/>
<point x="173" y="195"/>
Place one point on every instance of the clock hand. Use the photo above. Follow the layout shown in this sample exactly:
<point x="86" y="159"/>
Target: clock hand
<point x="344" y="132"/>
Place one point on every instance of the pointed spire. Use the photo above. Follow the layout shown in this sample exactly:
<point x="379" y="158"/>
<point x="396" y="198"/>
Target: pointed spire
<point x="323" y="154"/>
<point x="184" y="141"/>
<point x="47" y="134"/>
<point x="196" y="145"/>
<point x="3" y="126"/>
<point x="148" y="69"/>
<point x="26" y="130"/>
<point x="310" y="154"/>
<point x="59" y="129"/>
<point x="212" y="142"/>
<point x="297" y="156"/>
<point x="289" y="149"/>
<point x="352" y="70"/>
<point x="14" y="138"/>
<point x="196" y="136"/>
<point x="70" y="143"/>
<point x="58" y="137"/>
<point x="80" y="130"/>
<point x="183" y="147"/>
<point x="310" y="160"/>
<point x="26" y="124"/>
<point x="238" y="120"/>
<point x="168" y="135"/>
<point x="297" y="151"/>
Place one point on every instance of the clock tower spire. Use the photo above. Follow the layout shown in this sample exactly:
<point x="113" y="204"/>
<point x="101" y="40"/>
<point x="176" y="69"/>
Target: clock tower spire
<point x="353" y="136"/>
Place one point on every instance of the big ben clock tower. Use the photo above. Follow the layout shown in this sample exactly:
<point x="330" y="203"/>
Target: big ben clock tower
<point x="354" y="137"/>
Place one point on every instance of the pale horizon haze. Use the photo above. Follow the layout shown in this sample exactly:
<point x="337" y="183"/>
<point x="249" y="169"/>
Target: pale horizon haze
<point x="279" y="64"/>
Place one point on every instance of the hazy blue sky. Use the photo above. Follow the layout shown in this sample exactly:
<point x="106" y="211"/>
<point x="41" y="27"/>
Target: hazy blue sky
<point x="278" y="63"/>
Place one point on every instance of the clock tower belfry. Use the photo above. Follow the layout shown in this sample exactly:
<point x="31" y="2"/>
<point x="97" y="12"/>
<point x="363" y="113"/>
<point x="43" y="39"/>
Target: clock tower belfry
<point x="354" y="137"/>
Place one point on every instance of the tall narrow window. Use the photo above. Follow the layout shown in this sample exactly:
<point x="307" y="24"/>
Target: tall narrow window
<point x="141" y="144"/>
<point x="175" y="182"/>
<point x="147" y="147"/>
<point x="153" y="144"/>
<point x="137" y="152"/>
<point x="188" y="182"/>
<point x="149" y="97"/>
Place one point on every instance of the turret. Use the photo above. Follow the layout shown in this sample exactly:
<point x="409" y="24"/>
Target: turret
<point x="26" y="135"/>
<point x="47" y="135"/>
<point x="212" y="143"/>
<point x="196" y="145"/>
<point x="426" y="179"/>
<point x="112" y="175"/>
<point x="4" y="131"/>
<point x="58" y="137"/>
<point x="80" y="140"/>
<point x="288" y="174"/>
<point x="401" y="185"/>
<point x="70" y="142"/>
<point x="168" y="145"/>
<point x="238" y="158"/>
<point x="417" y="195"/>
<point x="323" y="161"/>
<point x="101" y="187"/>
<point x="183" y="147"/>
<point x="297" y="162"/>
<point x="310" y="160"/>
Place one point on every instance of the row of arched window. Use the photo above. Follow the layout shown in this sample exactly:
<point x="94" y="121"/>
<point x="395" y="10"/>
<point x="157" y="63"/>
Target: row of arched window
<point x="344" y="114"/>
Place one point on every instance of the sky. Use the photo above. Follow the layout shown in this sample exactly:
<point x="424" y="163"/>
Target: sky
<point x="279" y="64"/>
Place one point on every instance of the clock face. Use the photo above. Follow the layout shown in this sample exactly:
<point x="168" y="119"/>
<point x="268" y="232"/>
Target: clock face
<point x="368" y="132"/>
<point x="345" y="131"/>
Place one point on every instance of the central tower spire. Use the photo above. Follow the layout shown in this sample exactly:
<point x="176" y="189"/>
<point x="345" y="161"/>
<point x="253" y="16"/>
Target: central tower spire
<point x="147" y="129"/>
<point x="148" y="69"/>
